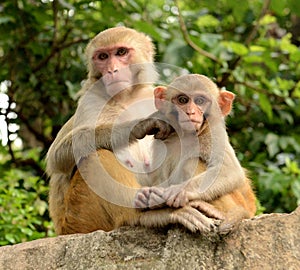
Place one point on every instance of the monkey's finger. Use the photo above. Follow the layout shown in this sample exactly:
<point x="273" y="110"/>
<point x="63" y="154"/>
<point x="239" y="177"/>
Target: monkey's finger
<point x="226" y="227"/>
<point x="176" y="199"/>
<point x="158" y="191"/>
<point x="140" y="203"/>
<point x="143" y="128"/>
<point x="180" y="200"/>
<point x="170" y="201"/>
<point x="176" y="203"/>
<point x="142" y="198"/>
<point x="164" y="132"/>
<point x="194" y="220"/>
<point x="155" y="201"/>
<point x="208" y="209"/>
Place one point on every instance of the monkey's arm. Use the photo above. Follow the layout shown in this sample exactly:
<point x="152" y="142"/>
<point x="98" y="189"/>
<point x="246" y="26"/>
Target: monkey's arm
<point x="69" y="147"/>
<point x="220" y="178"/>
<point x="223" y="175"/>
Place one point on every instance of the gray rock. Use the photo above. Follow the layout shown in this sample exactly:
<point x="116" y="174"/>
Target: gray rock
<point x="266" y="242"/>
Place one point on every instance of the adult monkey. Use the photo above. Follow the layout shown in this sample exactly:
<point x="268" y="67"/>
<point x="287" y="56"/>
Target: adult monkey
<point x="196" y="108"/>
<point x="115" y="56"/>
<point x="109" y="55"/>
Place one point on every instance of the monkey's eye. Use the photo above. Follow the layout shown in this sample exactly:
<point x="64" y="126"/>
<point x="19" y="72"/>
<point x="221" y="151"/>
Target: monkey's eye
<point x="122" y="51"/>
<point x="182" y="99"/>
<point x="200" y="100"/>
<point x="102" y="56"/>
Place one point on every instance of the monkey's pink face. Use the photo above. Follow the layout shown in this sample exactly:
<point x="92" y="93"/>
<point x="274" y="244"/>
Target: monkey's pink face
<point x="191" y="110"/>
<point x="113" y="64"/>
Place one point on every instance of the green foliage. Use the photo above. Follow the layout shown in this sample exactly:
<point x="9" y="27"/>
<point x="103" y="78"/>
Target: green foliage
<point x="251" y="49"/>
<point x="280" y="185"/>
<point x="23" y="207"/>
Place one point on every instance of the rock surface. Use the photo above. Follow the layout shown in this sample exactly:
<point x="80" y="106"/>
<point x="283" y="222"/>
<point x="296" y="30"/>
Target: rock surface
<point x="266" y="242"/>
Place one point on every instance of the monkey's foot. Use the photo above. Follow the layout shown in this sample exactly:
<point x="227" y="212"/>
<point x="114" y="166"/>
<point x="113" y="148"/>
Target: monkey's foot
<point x="207" y="209"/>
<point x="194" y="220"/>
<point x="227" y="226"/>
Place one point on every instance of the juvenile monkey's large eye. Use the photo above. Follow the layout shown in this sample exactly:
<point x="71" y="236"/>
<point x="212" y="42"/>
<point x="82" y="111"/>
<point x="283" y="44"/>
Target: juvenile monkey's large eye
<point x="182" y="99"/>
<point x="200" y="100"/>
<point x="102" y="56"/>
<point x="122" y="51"/>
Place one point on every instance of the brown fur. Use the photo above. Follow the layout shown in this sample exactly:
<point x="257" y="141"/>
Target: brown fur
<point x="85" y="211"/>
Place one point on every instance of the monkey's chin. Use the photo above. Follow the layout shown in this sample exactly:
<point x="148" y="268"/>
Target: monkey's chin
<point x="188" y="127"/>
<point x="115" y="88"/>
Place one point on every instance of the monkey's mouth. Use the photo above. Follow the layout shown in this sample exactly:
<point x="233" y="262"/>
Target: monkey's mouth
<point x="118" y="82"/>
<point x="191" y="122"/>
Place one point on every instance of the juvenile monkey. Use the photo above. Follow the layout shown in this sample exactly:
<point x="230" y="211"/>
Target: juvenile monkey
<point x="195" y="107"/>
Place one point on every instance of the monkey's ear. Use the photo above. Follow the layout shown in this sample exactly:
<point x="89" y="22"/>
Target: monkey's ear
<point x="225" y="101"/>
<point x="160" y="97"/>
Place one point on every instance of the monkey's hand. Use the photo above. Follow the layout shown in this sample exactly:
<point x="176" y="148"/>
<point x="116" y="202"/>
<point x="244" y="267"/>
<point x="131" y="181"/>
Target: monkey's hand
<point x="174" y="196"/>
<point x="145" y="198"/>
<point x="156" y="125"/>
<point x="156" y="197"/>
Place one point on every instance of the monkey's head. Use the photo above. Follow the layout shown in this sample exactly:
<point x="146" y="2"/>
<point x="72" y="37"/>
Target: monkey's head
<point x="193" y="100"/>
<point x="118" y="54"/>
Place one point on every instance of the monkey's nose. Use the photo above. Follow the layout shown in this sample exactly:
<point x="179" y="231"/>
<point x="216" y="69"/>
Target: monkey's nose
<point x="113" y="71"/>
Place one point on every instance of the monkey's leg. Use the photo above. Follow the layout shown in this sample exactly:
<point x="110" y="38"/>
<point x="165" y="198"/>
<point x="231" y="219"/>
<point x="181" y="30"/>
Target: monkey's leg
<point x="188" y="216"/>
<point x="86" y="211"/>
<point x="236" y="206"/>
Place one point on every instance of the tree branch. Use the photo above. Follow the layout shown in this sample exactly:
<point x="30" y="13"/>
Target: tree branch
<point x="54" y="51"/>
<point x="189" y="41"/>
<point x="248" y="40"/>
<point x="254" y="30"/>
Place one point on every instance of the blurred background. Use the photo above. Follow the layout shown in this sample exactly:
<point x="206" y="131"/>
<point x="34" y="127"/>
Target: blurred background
<point x="250" y="47"/>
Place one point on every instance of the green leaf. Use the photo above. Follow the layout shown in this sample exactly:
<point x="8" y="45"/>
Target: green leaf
<point x="237" y="48"/>
<point x="265" y="105"/>
<point x="286" y="44"/>
<point x="296" y="92"/>
<point x="256" y="48"/>
<point x="10" y="238"/>
<point x="267" y="19"/>
<point x="148" y="29"/>
<point x="40" y="206"/>
<point x="176" y="52"/>
<point x="272" y="144"/>
<point x="207" y="20"/>
<point x="295" y="56"/>
<point x="296" y="190"/>
<point x="6" y="19"/>
<point x="278" y="6"/>
<point x="210" y="40"/>
<point x="294" y="6"/>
